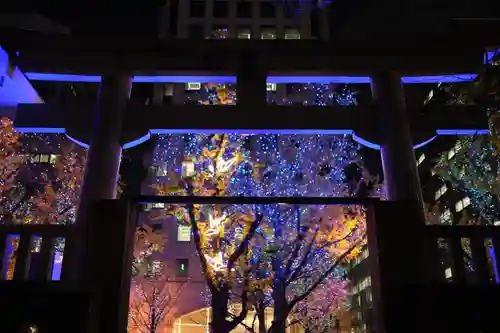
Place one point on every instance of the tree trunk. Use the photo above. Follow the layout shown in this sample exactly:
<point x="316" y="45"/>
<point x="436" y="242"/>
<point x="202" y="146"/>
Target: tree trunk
<point x="261" y="316"/>
<point x="280" y="306"/>
<point x="220" y="303"/>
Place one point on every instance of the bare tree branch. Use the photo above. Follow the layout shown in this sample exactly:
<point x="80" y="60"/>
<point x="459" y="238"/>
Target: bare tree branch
<point x="243" y="247"/>
<point x="323" y="276"/>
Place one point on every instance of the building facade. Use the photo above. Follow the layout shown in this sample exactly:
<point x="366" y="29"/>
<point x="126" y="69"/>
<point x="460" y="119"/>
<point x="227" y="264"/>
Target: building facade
<point x="243" y="19"/>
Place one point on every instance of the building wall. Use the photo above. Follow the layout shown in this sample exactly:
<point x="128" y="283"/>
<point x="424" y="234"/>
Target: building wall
<point x="242" y="19"/>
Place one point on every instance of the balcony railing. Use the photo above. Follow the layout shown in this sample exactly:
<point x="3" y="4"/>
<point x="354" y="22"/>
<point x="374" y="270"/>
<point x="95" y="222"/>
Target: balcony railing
<point x="34" y="241"/>
<point x="472" y="252"/>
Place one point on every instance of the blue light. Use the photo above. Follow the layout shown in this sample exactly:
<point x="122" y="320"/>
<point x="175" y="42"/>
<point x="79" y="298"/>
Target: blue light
<point x="136" y="79"/>
<point x="80" y="143"/>
<point x="490" y="55"/>
<point x="252" y="131"/>
<point x="462" y="132"/>
<point x="271" y="79"/>
<point x="495" y="264"/>
<point x="60" y="130"/>
<point x="14" y="87"/>
<point x="137" y="142"/>
<point x="420" y="145"/>
<point x="48" y="130"/>
<point x="160" y="131"/>
<point x="63" y="77"/>
<point x="375" y="146"/>
<point x="364" y="142"/>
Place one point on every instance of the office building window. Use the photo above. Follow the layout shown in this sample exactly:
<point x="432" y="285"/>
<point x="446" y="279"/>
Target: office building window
<point x="271" y="86"/>
<point x="268" y="33"/>
<point x="442" y="190"/>
<point x="183" y="233"/>
<point x="244" y="33"/>
<point x="365" y="283"/>
<point x="421" y="159"/>
<point x="369" y="296"/>
<point x="158" y="171"/>
<point x="197" y="8"/>
<point x="193" y="86"/>
<point x="220" y="32"/>
<point x="43" y="158"/>
<point x="461" y="204"/>
<point x="196" y="31"/>
<point x="453" y="151"/>
<point x="244" y="9"/>
<point x="221" y="8"/>
<point x="447" y="273"/>
<point x="267" y="9"/>
<point x="292" y="34"/>
<point x="445" y="217"/>
<point x="182" y="267"/>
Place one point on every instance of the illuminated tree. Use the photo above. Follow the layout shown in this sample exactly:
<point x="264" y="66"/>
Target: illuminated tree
<point x="473" y="166"/>
<point x="221" y="234"/>
<point x="153" y="297"/>
<point x="58" y="200"/>
<point x="149" y="245"/>
<point x="320" y="311"/>
<point x="10" y="160"/>
<point x="270" y="250"/>
<point x="10" y="164"/>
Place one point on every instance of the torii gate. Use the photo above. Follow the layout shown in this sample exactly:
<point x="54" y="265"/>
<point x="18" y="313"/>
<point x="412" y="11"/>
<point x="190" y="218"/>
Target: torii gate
<point x="251" y="63"/>
<point x="118" y="123"/>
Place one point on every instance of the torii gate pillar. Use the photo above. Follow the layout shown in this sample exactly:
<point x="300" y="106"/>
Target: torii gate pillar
<point x="398" y="159"/>
<point x="103" y="158"/>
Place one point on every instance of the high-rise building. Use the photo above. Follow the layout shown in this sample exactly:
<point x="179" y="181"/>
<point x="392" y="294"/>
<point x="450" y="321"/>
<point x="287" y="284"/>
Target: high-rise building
<point x="242" y="19"/>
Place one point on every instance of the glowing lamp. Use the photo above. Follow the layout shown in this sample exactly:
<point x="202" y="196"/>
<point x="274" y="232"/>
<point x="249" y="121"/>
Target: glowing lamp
<point x="187" y="169"/>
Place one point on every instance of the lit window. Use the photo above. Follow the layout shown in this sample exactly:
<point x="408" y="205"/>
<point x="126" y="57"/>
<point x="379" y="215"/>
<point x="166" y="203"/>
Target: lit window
<point x="447" y="273"/>
<point x="292" y="34"/>
<point x="183" y="233"/>
<point x="442" y="190"/>
<point x="496" y="223"/>
<point x="445" y="217"/>
<point x="52" y="158"/>
<point x="268" y="34"/>
<point x="429" y="97"/>
<point x="158" y="205"/>
<point x="453" y="151"/>
<point x="244" y="34"/>
<point x="193" y="86"/>
<point x="271" y="86"/>
<point x="182" y="267"/>
<point x="369" y="296"/>
<point x="421" y="159"/>
<point x="44" y="158"/>
<point x="461" y="204"/>
<point x="365" y="283"/>
<point x="159" y="171"/>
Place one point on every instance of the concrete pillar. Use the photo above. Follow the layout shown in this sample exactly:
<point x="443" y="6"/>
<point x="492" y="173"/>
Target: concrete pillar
<point x="103" y="158"/>
<point x="398" y="159"/>
<point x="251" y="83"/>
